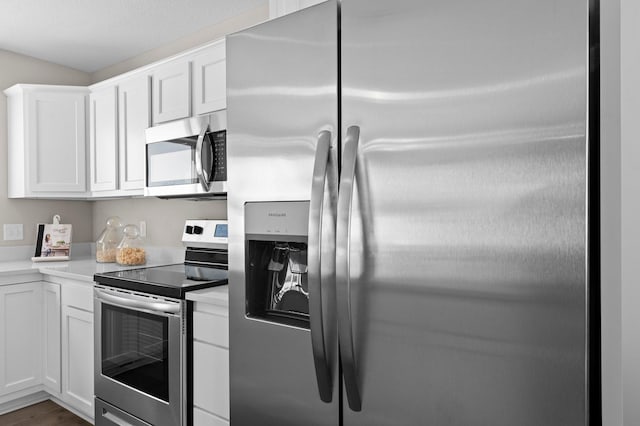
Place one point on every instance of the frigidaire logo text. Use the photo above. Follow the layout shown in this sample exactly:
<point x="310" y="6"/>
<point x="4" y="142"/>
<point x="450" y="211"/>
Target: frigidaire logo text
<point x="275" y="214"/>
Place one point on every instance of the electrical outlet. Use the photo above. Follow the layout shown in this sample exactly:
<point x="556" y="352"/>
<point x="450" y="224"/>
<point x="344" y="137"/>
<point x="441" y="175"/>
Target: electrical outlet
<point x="13" y="232"/>
<point x="143" y="228"/>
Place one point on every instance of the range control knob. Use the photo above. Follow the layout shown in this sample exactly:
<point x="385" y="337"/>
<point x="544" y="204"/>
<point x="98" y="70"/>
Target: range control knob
<point x="198" y="230"/>
<point x="188" y="229"/>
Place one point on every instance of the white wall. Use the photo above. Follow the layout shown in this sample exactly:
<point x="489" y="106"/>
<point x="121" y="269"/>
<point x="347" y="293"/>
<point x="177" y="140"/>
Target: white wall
<point x="630" y="207"/>
<point x="15" y="68"/>
<point x="620" y="209"/>
<point x="164" y="218"/>
<point x="611" y="294"/>
<point x="202" y="36"/>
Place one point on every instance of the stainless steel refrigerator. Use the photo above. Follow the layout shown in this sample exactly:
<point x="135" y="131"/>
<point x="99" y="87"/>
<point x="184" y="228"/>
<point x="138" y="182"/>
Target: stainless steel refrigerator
<point x="411" y="215"/>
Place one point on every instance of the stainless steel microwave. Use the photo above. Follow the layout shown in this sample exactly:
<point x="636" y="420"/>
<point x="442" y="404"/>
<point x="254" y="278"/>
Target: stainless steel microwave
<point x="187" y="158"/>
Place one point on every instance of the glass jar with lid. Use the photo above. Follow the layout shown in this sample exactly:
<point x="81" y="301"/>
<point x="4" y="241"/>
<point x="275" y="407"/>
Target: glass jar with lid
<point x="131" y="249"/>
<point x="108" y="241"/>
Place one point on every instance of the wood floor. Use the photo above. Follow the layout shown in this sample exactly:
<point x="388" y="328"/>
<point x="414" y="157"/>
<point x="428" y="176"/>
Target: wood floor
<point x="45" y="413"/>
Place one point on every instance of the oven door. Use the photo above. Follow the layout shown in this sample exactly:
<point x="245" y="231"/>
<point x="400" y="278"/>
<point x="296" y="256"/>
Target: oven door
<point x="140" y="355"/>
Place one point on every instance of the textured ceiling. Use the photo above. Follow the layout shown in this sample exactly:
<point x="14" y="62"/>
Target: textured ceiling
<point x="89" y="35"/>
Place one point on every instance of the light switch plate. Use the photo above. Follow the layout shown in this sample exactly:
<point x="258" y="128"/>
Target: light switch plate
<point x="13" y="231"/>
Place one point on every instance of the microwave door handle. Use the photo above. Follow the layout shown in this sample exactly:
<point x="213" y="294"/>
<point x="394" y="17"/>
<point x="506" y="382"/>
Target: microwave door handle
<point x="343" y="282"/>
<point x="314" y="251"/>
<point x="200" y="171"/>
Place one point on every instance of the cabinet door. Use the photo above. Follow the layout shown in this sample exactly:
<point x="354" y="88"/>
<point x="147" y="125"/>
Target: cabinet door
<point x="103" y="139"/>
<point x="20" y="337"/>
<point x="77" y="358"/>
<point x="211" y="378"/>
<point x="210" y="80"/>
<point x="134" y="114"/>
<point x="51" y="338"/>
<point x="210" y="364"/>
<point x="172" y="91"/>
<point x="57" y="144"/>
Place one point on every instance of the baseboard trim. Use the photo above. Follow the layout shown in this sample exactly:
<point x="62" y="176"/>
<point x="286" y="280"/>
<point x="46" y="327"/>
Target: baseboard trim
<point x="24" y="401"/>
<point x="70" y="408"/>
<point x="36" y="397"/>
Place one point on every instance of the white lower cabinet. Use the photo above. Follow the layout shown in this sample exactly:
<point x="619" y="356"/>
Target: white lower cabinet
<point x="210" y="365"/>
<point x="46" y="341"/>
<point x="51" y="312"/>
<point x="77" y="346"/>
<point x="20" y="337"/>
<point x="77" y="354"/>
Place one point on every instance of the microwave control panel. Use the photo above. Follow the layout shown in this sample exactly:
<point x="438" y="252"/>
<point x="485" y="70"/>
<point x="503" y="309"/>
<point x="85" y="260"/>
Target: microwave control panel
<point x="219" y="147"/>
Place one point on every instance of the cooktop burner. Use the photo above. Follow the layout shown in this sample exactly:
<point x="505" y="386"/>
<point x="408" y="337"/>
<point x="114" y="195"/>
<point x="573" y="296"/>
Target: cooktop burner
<point x="169" y="281"/>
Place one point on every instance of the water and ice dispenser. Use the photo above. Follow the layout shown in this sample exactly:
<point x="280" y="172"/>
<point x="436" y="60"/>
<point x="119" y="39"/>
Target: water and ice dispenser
<point x="276" y="261"/>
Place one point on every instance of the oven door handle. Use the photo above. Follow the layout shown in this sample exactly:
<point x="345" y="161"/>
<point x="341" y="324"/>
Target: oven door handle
<point x="132" y="302"/>
<point x="115" y="419"/>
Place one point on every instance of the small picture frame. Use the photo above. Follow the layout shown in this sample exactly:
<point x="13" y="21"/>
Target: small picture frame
<point x="53" y="242"/>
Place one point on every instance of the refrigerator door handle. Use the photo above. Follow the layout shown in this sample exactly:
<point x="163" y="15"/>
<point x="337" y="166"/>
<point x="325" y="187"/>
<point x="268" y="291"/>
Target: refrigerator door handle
<point x="343" y="283"/>
<point x="314" y="251"/>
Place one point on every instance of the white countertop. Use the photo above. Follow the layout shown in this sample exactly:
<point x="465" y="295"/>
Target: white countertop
<point x="83" y="267"/>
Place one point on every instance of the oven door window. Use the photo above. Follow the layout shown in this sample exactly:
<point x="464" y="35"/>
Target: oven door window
<point x="135" y="350"/>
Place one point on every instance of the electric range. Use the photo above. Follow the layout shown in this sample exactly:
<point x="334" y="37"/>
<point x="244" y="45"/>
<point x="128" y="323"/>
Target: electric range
<point x="141" y="324"/>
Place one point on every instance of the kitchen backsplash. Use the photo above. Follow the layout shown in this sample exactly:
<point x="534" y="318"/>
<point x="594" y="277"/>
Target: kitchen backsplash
<point x="164" y="218"/>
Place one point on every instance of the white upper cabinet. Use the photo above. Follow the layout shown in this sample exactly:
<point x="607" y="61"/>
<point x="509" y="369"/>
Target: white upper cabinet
<point x="51" y="128"/>
<point x="103" y="139"/>
<point x="134" y="115"/>
<point x="172" y="91"/>
<point x="279" y="8"/>
<point x="119" y="114"/>
<point x="47" y="141"/>
<point x="210" y="79"/>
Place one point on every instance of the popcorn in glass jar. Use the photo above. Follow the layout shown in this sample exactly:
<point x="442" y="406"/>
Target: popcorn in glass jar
<point x="131" y="250"/>
<point x="107" y="243"/>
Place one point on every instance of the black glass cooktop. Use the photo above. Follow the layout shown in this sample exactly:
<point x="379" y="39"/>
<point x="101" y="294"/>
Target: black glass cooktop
<point x="169" y="281"/>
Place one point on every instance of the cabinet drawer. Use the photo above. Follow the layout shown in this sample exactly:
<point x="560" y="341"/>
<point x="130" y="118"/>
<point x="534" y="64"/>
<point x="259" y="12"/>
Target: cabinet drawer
<point x="211" y="328"/>
<point x="202" y="418"/>
<point x="78" y="295"/>
<point x="211" y="378"/>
